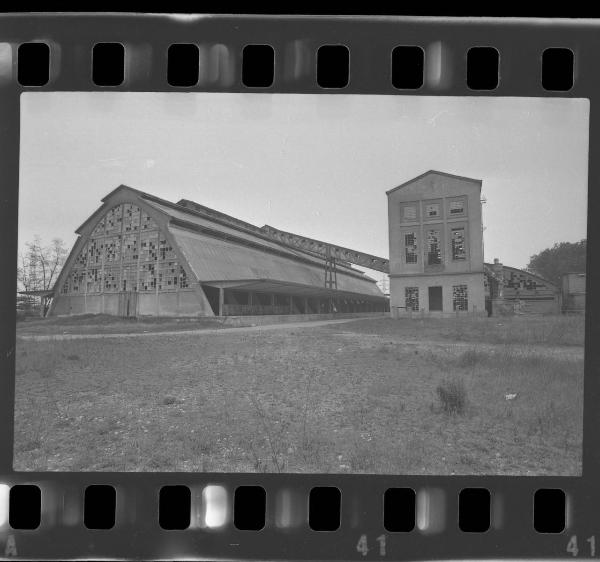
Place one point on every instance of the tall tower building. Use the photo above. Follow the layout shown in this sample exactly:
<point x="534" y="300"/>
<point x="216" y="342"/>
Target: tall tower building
<point x="436" y="246"/>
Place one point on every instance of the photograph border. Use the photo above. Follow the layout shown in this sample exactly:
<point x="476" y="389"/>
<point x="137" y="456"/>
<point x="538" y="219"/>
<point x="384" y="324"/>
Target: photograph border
<point x="370" y="41"/>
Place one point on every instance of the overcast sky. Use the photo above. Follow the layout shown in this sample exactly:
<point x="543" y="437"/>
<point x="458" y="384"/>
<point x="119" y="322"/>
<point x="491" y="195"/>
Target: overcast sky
<point x="315" y="165"/>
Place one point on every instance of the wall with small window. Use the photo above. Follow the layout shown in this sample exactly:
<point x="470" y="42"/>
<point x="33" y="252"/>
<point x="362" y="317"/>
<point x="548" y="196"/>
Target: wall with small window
<point x="411" y="299"/>
<point x="122" y="263"/>
<point x="456" y="207"/>
<point x="451" y="294"/>
<point x="433" y="209"/>
<point x="410" y="211"/>
<point x="125" y="252"/>
<point x="435" y="225"/>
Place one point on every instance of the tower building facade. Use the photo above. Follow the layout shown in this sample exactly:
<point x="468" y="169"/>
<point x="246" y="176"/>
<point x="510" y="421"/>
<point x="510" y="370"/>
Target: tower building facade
<point x="436" y="246"/>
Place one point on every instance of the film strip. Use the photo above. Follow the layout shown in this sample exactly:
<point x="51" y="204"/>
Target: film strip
<point x="56" y="506"/>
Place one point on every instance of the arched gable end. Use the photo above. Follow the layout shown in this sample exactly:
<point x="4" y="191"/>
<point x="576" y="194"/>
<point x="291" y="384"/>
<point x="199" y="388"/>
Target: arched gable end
<point x="124" y="247"/>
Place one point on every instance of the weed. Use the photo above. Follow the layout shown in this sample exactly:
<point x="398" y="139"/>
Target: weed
<point x="452" y="395"/>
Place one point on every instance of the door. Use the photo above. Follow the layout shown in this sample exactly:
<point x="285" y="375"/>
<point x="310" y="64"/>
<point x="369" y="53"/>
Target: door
<point x="128" y="303"/>
<point x="132" y="303"/>
<point x="435" y="298"/>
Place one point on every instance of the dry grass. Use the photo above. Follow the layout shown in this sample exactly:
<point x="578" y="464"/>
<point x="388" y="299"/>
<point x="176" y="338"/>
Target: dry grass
<point x="327" y="399"/>
<point x="106" y="324"/>
<point x="525" y="330"/>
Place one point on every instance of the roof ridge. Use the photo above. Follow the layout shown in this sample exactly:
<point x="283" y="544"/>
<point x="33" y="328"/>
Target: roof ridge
<point x="428" y="172"/>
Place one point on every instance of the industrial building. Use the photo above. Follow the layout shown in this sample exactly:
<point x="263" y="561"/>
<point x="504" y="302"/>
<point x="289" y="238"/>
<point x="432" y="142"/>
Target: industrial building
<point x="573" y="293"/>
<point x="436" y="245"/>
<point x="436" y="255"/>
<point x="140" y="255"/>
<point x="509" y="290"/>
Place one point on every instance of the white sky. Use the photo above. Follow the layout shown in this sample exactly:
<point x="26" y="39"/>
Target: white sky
<point x="315" y="165"/>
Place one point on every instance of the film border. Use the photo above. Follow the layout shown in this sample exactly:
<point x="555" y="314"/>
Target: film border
<point x="370" y="41"/>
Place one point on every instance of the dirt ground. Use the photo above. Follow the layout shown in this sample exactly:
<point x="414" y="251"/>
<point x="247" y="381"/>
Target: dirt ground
<point x="488" y="396"/>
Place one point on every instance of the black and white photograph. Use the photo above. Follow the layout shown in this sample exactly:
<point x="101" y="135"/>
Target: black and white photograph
<point x="299" y="283"/>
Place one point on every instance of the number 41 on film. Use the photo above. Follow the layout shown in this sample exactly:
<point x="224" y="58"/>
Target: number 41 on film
<point x="588" y="549"/>
<point x="363" y="547"/>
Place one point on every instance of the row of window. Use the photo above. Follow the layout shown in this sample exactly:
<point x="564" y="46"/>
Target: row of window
<point x="433" y="251"/>
<point x="124" y="218"/>
<point x="169" y="277"/>
<point x="143" y="246"/>
<point x="108" y="262"/>
<point x="433" y="209"/>
<point x="460" y="298"/>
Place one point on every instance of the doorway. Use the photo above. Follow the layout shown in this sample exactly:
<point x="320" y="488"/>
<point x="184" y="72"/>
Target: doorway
<point x="435" y="299"/>
<point x="128" y="304"/>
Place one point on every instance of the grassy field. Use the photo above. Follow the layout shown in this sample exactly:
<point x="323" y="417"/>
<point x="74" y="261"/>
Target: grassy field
<point x="367" y="396"/>
<point x="106" y="324"/>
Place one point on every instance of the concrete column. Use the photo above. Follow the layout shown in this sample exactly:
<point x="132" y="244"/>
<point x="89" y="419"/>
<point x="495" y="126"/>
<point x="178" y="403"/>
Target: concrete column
<point x="305" y="305"/>
<point x="221" y="300"/>
<point x="291" y="304"/>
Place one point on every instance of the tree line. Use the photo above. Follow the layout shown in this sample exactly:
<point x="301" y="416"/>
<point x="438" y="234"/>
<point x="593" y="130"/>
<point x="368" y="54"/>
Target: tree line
<point x="564" y="257"/>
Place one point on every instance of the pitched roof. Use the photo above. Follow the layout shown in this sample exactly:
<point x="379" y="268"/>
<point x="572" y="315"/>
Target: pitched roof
<point x="429" y="172"/>
<point x="216" y="260"/>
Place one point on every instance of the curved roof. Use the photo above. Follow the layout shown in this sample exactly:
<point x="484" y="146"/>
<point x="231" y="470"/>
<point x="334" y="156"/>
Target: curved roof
<point x="222" y="249"/>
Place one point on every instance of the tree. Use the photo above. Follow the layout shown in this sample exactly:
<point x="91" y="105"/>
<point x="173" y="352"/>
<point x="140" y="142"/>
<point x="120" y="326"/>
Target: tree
<point x="564" y="257"/>
<point x="39" y="266"/>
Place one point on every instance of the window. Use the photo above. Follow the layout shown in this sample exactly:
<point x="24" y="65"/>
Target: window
<point x="130" y="247"/>
<point x="460" y="297"/>
<point x="457" y="207"/>
<point x="100" y="227"/>
<point x="125" y="237"/>
<point x="95" y="249"/>
<point x="409" y="213"/>
<point x="77" y="281"/>
<point x="168" y="276"/>
<point x="432" y="210"/>
<point x="458" y="244"/>
<point x="94" y="280"/>
<point x="111" y="279"/>
<point x="112" y="249"/>
<point x="148" y="246"/>
<point x="411" y="298"/>
<point x="147" y="277"/>
<point x="183" y="281"/>
<point x="81" y="261"/>
<point x="114" y="218"/>
<point x="410" y="244"/>
<point x="131" y="218"/>
<point x="434" y="252"/>
<point x="129" y="278"/>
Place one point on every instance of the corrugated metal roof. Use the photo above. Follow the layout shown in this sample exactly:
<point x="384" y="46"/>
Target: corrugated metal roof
<point x="281" y="287"/>
<point x="223" y="230"/>
<point x="213" y="259"/>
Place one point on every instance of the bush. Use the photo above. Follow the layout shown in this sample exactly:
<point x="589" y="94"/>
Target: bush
<point x="452" y="395"/>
